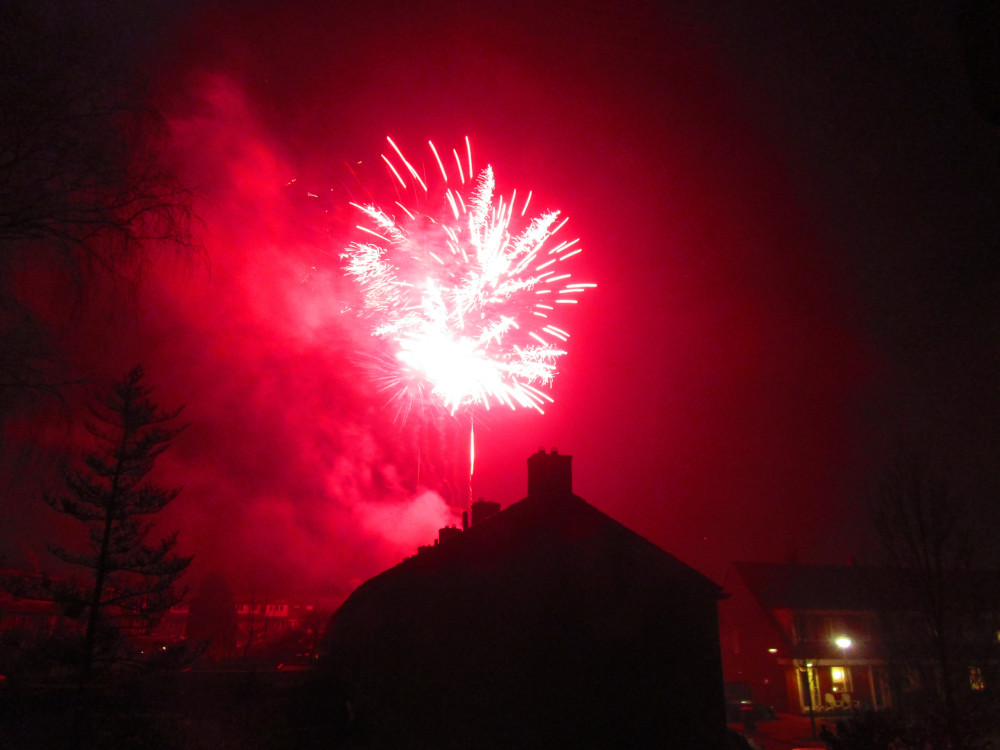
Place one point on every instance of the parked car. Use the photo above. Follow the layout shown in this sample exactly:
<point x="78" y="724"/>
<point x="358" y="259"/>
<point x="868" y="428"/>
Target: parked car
<point x="742" y="708"/>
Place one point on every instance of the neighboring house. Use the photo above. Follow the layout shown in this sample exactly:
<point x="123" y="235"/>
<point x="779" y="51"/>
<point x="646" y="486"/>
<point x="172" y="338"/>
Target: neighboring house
<point x="261" y="627"/>
<point x="547" y="624"/>
<point x="827" y="638"/>
<point x="24" y="614"/>
<point x="28" y="605"/>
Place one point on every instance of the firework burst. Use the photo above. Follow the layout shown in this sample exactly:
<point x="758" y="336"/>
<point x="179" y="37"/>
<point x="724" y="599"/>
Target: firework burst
<point x="463" y="288"/>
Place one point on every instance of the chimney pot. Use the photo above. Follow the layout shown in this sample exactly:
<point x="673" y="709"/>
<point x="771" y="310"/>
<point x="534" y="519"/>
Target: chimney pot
<point x="447" y="533"/>
<point x="550" y="474"/>
<point x="481" y="510"/>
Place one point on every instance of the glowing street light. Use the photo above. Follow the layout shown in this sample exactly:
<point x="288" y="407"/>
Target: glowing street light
<point x="843" y="641"/>
<point x="807" y="670"/>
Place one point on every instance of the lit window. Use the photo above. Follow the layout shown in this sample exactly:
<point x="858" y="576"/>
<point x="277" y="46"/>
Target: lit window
<point x="976" y="681"/>
<point x="840" y="678"/>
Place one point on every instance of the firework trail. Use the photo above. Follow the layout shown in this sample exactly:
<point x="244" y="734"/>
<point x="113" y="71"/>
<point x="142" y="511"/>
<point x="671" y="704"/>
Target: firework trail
<point x="463" y="289"/>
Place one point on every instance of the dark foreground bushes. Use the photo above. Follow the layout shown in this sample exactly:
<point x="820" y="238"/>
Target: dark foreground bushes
<point x="188" y="710"/>
<point x="925" y="729"/>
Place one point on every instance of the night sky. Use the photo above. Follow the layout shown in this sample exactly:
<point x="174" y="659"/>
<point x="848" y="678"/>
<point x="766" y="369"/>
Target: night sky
<point x="790" y="209"/>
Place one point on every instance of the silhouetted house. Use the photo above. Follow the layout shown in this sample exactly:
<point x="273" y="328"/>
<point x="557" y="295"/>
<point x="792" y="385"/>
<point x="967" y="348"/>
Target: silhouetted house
<point x="267" y="626"/>
<point x="827" y="638"/>
<point x="545" y="625"/>
<point x="23" y="610"/>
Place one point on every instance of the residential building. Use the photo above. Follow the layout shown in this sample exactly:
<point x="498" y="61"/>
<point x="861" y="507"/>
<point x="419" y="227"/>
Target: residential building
<point x="546" y="624"/>
<point x="829" y="638"/>
<point x="262" y="626"/>
<point x="24" y="614"/>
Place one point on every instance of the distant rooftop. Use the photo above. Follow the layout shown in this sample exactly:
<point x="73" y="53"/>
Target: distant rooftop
<point x="855" y="588"/>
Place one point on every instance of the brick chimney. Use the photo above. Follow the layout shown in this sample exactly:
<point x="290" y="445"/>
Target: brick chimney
<point x="549" y="474"/>
<point x="483" y="509"/>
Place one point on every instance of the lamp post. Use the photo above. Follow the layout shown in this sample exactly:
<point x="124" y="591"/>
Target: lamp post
<point x="807" y="668"/>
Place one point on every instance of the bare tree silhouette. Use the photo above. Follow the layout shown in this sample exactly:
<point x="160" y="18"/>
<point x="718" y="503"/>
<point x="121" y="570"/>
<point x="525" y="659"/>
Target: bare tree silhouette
<point x="85" y="183"/>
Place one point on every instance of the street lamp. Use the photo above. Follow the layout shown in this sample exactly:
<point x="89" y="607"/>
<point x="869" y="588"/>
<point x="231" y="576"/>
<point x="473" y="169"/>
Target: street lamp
<point x="807" y="669"/>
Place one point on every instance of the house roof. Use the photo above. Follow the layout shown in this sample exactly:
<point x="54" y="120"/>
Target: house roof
<point x="551" y="525"/>
<point x="536" y="527"/>
<point x="861" y="588"/>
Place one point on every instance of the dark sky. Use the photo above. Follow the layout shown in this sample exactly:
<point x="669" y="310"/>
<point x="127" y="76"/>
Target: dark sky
<point x="790" y="209"/>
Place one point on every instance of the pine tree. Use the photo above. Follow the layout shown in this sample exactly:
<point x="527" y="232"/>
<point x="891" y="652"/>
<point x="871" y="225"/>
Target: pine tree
<point x="131" y="582"/>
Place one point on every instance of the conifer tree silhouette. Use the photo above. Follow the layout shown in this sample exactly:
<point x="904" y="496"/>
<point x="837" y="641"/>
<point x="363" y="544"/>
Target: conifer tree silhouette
<point x="131" y="581"/>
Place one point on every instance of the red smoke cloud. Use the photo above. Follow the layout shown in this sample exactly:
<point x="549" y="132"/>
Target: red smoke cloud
<point x="674" y="399"/>
<point x="742" y="365"/>
<point x="290" y="464"/>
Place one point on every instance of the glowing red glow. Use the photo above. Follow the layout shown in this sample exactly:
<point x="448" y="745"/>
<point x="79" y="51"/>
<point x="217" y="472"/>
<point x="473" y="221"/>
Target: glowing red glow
<point x="455" y="293"/>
